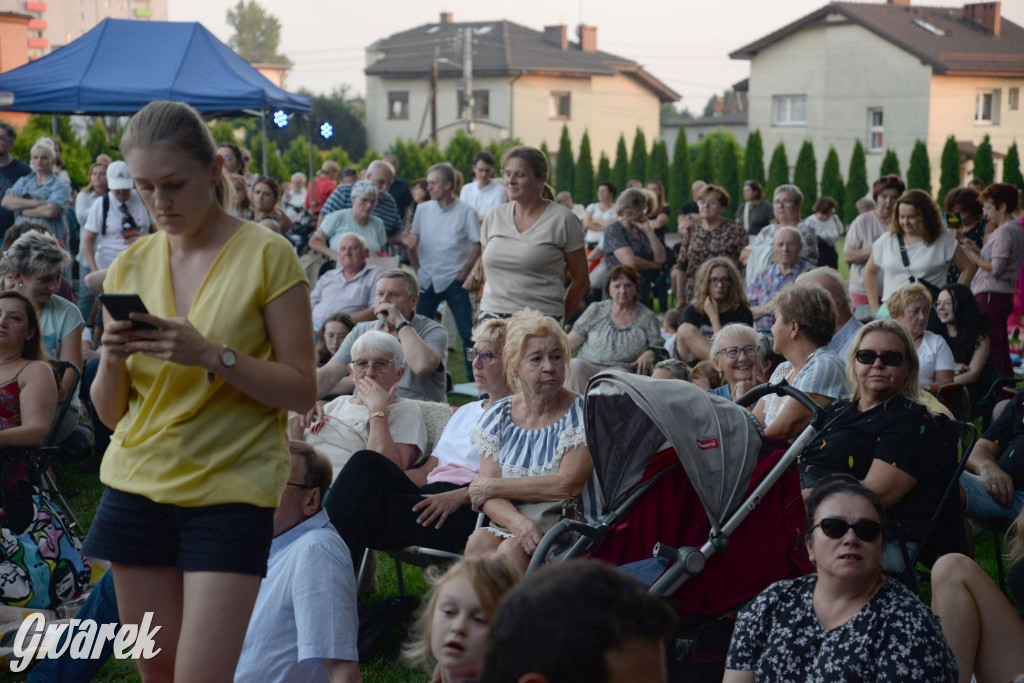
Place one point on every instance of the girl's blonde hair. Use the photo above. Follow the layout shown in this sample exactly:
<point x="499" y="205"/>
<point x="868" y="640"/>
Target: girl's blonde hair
<point x="702" y="285"/>
<point x="491" y="577"/>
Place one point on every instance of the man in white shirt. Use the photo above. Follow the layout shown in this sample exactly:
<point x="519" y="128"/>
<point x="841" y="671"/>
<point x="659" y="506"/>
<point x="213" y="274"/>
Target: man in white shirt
<point x="484" y="194"/>
<point x="304" y="627"/>
<point x="444" y="243"/>
<point x="115" y="221"/>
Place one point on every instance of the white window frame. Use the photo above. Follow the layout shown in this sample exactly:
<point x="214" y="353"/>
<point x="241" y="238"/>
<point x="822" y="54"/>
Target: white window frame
<point x="395" y="96"/>
<point x="876" y="129"/>
<point x="993" y="110"/>
<point x="480" y="98"/>
<point x="786" y="110"/>
<point x="555" y="105"/>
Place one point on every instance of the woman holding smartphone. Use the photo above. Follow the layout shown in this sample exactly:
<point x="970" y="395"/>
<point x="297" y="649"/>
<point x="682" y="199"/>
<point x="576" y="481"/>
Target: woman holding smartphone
<point x="198" y="405"/>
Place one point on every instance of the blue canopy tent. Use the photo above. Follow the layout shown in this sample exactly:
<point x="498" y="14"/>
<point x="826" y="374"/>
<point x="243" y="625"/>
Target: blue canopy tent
<point x="120" y="66"/>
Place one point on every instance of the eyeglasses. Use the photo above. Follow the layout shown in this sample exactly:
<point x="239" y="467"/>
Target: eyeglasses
<point x="725" y="281"/>
<point x="301" y="485"/>
<point x="866" y="530"/>
<point x="890" y="358"/>
<point x="509" y="175"/>
<point x="707" y="202"/>
<point x="783" y="202"/>
<point x="379" y="364"/>
<point x="485" y="357"/>
<point x="943" y="304"/>
<point x="733" y="352"/>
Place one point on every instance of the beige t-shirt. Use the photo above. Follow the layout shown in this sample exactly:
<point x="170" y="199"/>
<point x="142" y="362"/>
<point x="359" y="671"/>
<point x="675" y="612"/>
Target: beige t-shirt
<point x="526" y="269"/>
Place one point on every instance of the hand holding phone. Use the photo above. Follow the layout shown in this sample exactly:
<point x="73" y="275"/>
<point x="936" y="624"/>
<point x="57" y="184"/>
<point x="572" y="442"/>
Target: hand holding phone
<point x="121" y="305"/>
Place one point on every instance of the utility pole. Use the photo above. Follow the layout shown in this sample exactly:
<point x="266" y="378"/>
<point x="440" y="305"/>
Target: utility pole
<point x="433" y="102"/>
<point x="467" y="78"/>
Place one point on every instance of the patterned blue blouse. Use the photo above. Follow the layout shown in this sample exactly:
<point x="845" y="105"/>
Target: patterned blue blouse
<point x="535" y="452"/>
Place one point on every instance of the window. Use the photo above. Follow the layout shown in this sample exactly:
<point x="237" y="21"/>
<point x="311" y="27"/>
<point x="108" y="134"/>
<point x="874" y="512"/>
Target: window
<point x="790" y="110"/>
<point x="986" y="107"/>
<point x="398" y="104"/>
<point x="1013" y="99"/>
<point x="875" y="130"/>
<point x="561" y="105"/>
<point x="481" y="103"/>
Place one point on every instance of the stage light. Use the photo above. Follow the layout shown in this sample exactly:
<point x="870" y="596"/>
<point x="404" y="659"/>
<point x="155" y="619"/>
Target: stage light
<point x="280" y="119"/>
<point x="326" y="130"/>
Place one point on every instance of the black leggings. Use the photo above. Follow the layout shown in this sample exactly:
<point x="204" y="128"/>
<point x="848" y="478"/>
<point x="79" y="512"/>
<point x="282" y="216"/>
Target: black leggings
<point x="370" y="504"/>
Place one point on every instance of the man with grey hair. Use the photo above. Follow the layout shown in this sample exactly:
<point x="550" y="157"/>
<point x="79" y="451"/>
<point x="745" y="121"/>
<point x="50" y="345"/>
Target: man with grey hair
<point x="832" y="282"/>
<point x="351" y="287"/>
<point x="787" y="266"/>
<point x="424" y="343"/>
<point x="381" y="174"/>
<point x="444" y="243"/>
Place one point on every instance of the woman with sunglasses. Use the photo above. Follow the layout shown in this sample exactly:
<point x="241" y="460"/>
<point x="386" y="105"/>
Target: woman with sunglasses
<point x="888" y="439"/>
<point x="374" y="504"/>
<point x="847" y="619"/>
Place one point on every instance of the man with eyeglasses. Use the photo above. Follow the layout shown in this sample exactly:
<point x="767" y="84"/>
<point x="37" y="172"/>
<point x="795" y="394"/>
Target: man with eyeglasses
<point x="11" y="170"/>
<point x="115" y="221"/>
<point x="424" y="343"/>
<point x="376" y="418"/>
<point x="305" y="624"/>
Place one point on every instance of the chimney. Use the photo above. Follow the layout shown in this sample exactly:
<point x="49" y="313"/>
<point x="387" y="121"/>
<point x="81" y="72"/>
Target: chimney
<point x="588" y="38"/>
<point x="986" y="15"/>
<point x="446" y="17"/>
<point x="557" y="35"/>
<point x="905" y="3"/>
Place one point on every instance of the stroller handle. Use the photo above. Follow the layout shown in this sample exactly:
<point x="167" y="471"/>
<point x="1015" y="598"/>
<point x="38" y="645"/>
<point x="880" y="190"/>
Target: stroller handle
<point x="780" y="387"/>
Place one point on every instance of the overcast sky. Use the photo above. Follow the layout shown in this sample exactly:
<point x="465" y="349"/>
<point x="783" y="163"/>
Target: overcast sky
<point x="685" y="43"/>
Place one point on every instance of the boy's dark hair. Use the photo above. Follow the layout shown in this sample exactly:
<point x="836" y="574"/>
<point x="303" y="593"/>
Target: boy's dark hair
<point x="562" y="620"/>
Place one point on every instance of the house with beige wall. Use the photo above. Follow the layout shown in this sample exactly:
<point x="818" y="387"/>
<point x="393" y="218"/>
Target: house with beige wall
<point x="525" y="84"/>
<point x="889" y="74"/>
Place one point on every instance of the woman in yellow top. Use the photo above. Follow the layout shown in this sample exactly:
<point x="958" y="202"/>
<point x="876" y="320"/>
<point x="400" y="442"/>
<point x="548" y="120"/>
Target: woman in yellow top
<point x="198" y="404"/>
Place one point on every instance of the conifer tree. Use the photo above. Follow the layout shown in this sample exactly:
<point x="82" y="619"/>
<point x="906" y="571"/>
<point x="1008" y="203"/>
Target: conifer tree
<point x="1011" y="167"/>
<point x="890" y="164"/>
<point x="604" y="172"/>
<point x="778" y="171"/>
<point x="832" y="183"/>
<point x="805" y="176"/>
<point x="583" y="192"/>
<point x="638" y="157"/>
<point x="984" y="166"/>
<point x="949" y="178"/>
<point x="919" y="173"/>
<point x="753" y="159"/>
<point x="679" y="175"/>
<point x="620" y="170"/>
<point x="565" y="166"/>
<point x="856" y="180"/>
<point x="728" y="176"/>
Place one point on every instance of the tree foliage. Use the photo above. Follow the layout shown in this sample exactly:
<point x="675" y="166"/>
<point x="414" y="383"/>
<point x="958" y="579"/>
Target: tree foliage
<point x="547" y="155"/>
<point x="275" y="165"/>
<point x="778" y="170"/>
<point x="805" y="175"/>
<point x="638" y="158"/>
<point x="753" y="158"/>
<point x="728" y="175"/>
<point x="620" y="171"/>
<point x="604" y="171"/>
<point x="460" y="152"/>
<point x="410" y="158"/>
<point x="583" y="191"/>
<point x="919" y="173"/>
<point x="257" y="33"/>
<point x="679" y="175"/>
<point x="949" y="177"/>
<point x="657" y="162"/>
<point x="296" y="158"/>
<point x="984" y="166"/>
<point x="1011" y="167"/>
<point x="856" y="180"/>
<point x="704" y="164"/>
<point x="565" y="166"/>
<point x="890" y="164"/>
<point x="832" y="183"/>
<point x="76" y="158"/>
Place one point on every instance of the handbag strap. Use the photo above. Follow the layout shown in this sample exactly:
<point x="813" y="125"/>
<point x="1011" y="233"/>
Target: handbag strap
<point x="903" y="255"/>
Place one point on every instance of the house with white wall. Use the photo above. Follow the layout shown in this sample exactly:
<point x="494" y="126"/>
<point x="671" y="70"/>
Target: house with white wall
<point x="889" y="74"/>
<point x="525" y="84"/>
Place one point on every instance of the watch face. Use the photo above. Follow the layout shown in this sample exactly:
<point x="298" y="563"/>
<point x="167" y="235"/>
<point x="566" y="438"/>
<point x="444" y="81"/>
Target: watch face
<point x="228" y="358"/>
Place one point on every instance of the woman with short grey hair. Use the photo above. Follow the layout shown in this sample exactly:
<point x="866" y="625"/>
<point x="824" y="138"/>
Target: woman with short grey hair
<point x="358" y="219"/>
<point x="41" y="195"/>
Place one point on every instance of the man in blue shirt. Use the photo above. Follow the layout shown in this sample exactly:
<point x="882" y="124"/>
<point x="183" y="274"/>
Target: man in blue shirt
<point x="304" y="627"/>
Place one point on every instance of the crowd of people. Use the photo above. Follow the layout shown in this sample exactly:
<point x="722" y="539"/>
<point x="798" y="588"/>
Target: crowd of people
<point x="271" y="416"/>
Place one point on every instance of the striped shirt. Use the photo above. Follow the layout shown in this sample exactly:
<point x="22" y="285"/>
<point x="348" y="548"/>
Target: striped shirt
<point x="386" y="209"/>
<point x="824" y="374"/>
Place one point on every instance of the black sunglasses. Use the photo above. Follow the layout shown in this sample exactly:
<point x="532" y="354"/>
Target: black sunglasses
<point x="867" y="530"/>
<point x="890" y="358"/>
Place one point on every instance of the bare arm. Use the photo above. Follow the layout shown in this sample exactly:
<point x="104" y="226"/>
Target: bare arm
<point x="871" y="285"/>
<point x="941" y="377"/>
<point x="418" y="475"/>
<point x="575" y="340"/>
<point x="967" y="267"/>
<point x="89" y="240"/>
<point x="328" y="377"/>
<point x="283" y="220"/>
<point x="421" y="358"/>
<point x="380" y="440"/>
<point x="13" y="202"/>
<point x="44" y="210"/>
<point x="567" y="482"/>
<point x="474" y="254"/>
<point x="343" y="671"/>
<point x="628" y="257"/>
<point x="696" y="343"/>
<point x="984" y="462"/>
<point x="577" y="264"/>
<point x="37" y="399"/>
<point x="318" y="243"/>
<point x="71" y="351"/>
<point x="970" y="373"/>
<point x="733" y="676"/>
<point x="857" y="257"/>
<point x="889" y="483"/>
<point x="793" y="417"/>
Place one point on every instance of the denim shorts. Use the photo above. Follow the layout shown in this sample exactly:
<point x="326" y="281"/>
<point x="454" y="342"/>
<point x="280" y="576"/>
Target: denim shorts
<point x="132" y="529"/>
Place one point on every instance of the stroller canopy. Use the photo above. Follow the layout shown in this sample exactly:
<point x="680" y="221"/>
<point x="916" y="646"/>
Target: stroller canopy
<point x="630" y="418"/>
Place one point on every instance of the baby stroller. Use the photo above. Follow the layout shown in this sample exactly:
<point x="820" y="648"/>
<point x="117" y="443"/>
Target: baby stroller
<point x="685" y="475"/>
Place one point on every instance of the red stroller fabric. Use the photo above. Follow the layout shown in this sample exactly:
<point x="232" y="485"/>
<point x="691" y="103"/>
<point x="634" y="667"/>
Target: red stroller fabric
<point x="767" y="547"/>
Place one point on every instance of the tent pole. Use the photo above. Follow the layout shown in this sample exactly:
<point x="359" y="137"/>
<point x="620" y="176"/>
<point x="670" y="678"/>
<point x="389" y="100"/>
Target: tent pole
<point x="263" y="126"/>
<point x="309" y="132"/>
<point x="53" y="126"/>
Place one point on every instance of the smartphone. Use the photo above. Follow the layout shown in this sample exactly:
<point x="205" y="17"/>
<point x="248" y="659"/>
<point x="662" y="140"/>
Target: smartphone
<point x="953" y="220"/>
<point x="120" y="305"/>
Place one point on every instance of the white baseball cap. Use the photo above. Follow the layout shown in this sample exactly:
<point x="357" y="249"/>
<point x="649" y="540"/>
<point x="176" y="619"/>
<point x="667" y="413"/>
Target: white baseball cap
<point x="119" y="176"/>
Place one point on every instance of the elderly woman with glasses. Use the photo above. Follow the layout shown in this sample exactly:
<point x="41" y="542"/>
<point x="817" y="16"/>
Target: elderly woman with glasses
<point x="888" y="439"/>
<point x="845" y="617"/>
<point x="736" y="353"/>
<point x="375" y="418"/>
<point x="712" y="236"/>
<point x="359" y="219"/>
